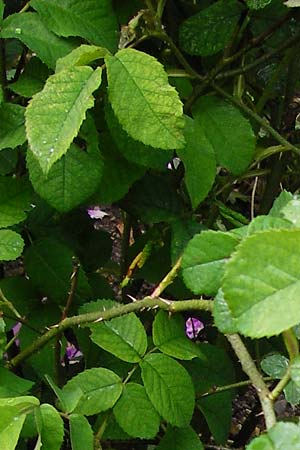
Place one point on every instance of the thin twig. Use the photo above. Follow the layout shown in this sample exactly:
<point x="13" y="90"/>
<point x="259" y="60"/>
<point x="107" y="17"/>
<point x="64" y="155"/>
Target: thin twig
<point x="251" y="370"/>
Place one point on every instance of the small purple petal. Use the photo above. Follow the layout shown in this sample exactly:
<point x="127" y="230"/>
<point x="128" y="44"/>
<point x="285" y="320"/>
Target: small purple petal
<point x="193" y="327"/>
<point x="96" y="213"/>
<point x="72" y="352"/>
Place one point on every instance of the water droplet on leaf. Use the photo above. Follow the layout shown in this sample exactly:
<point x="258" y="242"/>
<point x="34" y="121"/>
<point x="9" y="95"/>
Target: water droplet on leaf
<point x="18" y="31"/>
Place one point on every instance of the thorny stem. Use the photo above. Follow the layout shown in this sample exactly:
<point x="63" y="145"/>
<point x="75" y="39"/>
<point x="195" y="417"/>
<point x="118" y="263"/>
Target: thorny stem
<point x="227" y="387"/>
<point x="168" y="279"/>
<point x="97" y="316"/>
<point x="250" y="369"/>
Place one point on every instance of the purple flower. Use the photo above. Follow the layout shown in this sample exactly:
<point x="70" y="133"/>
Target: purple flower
<point x="193" y="327"/>
<point x="95" y="212"/>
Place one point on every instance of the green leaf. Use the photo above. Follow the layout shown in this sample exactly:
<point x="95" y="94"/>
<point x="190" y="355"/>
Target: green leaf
<point x="81" y="433"/>
<point x="281" y="201"/>
<point x="11" y="245"/>
<point x="275" y="365"/>
<point x="169" y="336"/>
<point x="81" y="56"/>
<point x="263" y="296"/>
<point x="281" y="436"/>
<point x="180" y="439"/>
<point x="27" y="27"/>
<point x="15" y="199"/>
<point x="118" y="174"/>
<point x="49" y="265"/>
<point x="222" y="316"/>
<point x="32" y="79"/>
<point x="12" y="130"/>
<point x="204" y="260"/>
<point x="227" y="130"/>
<point x="60" y="187"/>
<point x="199" y="162"/>
<point x="13" y="412"/>
<point x="10" y="435"/>
<point x="147" y="107"/>
<point x="169" y="388"/>
<point x="183" y="229"/>
<point x="51" y="427"/>
<point x="291" y="211"/>
<point x="1" y="10"/>
<point x="60" y="109"/>
<point x="12" y="385"/>
<point x="216" y="24"/>
<point x="8" y="161"/>
<point x="124" y="337"/>
<point x="92" y="20"/>
<point x="258" y="4"/>
<point x="291" y="3"/>
<point x="213" y="368"/>
<point x="262" y="223"/>
<point x="135" y="413"/>
<point x="136" y="151"/>
<point x="92" y="391"/>
<point x="292" y="393"/>
<point x="3" y="342"/>
<point x="295" y="370"/>
<point x="154" y="199"/>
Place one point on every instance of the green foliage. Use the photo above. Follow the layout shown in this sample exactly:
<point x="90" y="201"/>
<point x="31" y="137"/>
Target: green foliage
<point x="217" y="24"/>
<point x="204" y="260"/>
<point x="169" y="388"/>
<point x="282" y="435"/>
<point x="276" y="262"/>
<point x="81" y="433"/>
<point x="92" y="391"/>
<point x="51" y="140"/>
<point x="26" y="27"/>
<point x="135" y="413"/>
<point x="153" y="115"/>
<point x="180" y="439"/>
<point x="228" y="132"/>
<point x="92" y="20"/>
<point x="12" y="132"/>
<point x="176" y="123"/>
<point x="169" y="337"/>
